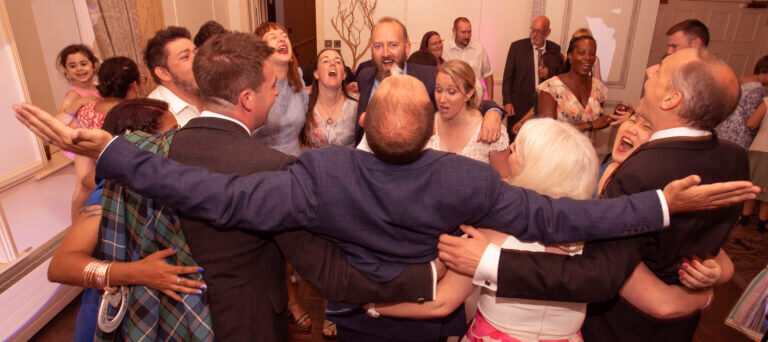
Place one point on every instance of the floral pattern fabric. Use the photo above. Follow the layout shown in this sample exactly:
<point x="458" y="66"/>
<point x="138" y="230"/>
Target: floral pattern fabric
<point x="569" y="109"/>
<point x="734" y="128"/>
<point x="89" y="118"/>
<point x="474" y="149"/>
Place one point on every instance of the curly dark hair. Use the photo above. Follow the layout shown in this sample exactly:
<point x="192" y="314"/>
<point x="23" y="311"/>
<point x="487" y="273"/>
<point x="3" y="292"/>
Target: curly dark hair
<point x="761" y="67"/>
<point x="155" y="54"/>
<point x="116" y="76"/>
<point x="208" y="30"/>
<point x="135" y="115"/>
<point x="61" y="60"/>
<point x="571" y="46"/>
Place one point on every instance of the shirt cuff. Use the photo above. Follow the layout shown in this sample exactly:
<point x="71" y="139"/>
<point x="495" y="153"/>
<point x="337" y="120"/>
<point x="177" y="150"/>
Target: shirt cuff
<point x="497" y="111"/>
<point x="105" y="148"/>
<point x="664" y="207"/>
<point x="487" y="273"/>
<point x="434" y="279"/>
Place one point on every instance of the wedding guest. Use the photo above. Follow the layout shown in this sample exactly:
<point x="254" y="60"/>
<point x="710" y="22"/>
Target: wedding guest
<point x="432" y="43"/>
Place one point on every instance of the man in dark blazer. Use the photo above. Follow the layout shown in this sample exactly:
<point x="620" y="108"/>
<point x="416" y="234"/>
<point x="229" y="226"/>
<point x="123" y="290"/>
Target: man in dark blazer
<point x="692" y="92"/>
<point x="390" y="48"/>
<point x="244" y="270"/>
<point x="521" y="71"/>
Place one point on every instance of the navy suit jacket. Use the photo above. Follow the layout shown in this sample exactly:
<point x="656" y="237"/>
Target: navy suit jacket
<point x="396" y="212"/>
<point x="365" y="79"/>
<point x="381" y="215"/>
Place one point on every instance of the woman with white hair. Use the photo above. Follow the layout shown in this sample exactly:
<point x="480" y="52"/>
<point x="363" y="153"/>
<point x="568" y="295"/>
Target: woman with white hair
<point x="555" y="159"/>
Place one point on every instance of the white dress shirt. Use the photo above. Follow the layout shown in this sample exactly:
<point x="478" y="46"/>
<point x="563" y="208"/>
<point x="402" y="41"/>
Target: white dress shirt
<point x="474" y="54"/>
<point x="180" y="109"/>
<point x="209" y="114"/>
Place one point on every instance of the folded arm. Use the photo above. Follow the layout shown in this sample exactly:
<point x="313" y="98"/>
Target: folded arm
<point x="650" y="295"/>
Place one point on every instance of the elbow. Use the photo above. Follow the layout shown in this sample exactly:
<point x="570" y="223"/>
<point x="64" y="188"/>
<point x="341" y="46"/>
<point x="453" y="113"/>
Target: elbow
<point x="666" y="311"/>
<point x="54" y="275"/>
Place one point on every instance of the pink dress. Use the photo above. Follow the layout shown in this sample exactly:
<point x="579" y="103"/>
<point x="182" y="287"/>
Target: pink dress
<point x="84" y="92"/>
<point x="87" y="117"/>
<point x="569" y="109"/>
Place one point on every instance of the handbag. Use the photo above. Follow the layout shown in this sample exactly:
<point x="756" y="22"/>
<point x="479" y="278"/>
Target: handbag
<point x="749" y="313"/>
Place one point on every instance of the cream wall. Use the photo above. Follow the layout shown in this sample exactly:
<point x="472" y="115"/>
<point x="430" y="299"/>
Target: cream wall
<point x="497" y="23"/>
<point x="232" y="14"/>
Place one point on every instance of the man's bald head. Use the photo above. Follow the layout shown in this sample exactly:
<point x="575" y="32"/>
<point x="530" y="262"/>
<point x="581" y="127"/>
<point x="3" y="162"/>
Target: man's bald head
<point x="540" y="30"/>
<point x="709" y="86"/>
<point x="399" y="119"/>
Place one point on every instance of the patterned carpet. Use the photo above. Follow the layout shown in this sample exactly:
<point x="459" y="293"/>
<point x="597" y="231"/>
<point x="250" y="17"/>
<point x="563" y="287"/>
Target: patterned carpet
<point x="748" y="249"/>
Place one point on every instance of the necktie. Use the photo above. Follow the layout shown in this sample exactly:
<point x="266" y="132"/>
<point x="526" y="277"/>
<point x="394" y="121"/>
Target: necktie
<point x="539" y="52"/>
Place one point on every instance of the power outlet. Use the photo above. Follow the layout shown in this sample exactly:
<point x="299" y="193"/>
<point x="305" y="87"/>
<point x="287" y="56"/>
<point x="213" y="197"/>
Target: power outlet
<point x="328" y="43"/>
<point x="337" y="44"/>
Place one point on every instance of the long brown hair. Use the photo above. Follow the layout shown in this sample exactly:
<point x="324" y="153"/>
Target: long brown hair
<point x="293" y="66"/>
<point x="309" y="123"/>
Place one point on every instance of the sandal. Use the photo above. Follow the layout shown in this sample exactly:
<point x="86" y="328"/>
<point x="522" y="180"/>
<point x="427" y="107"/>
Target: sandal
<point x="303" y="323"/>
<point x="329" y="330"/>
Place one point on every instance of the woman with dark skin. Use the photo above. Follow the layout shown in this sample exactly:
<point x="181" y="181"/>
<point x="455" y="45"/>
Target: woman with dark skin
<point x="575" y="96"/>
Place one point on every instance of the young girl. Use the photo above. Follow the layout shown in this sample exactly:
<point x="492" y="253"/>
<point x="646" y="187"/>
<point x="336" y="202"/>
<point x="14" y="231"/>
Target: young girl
<point x="79" y="65"/>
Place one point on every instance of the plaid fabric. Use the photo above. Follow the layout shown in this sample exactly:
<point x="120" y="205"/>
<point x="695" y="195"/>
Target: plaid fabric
<point x="133" y="227"/>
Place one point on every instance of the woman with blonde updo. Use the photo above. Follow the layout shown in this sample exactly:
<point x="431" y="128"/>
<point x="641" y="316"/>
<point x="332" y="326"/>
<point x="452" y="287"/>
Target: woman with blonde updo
<point x="458" y="121"/>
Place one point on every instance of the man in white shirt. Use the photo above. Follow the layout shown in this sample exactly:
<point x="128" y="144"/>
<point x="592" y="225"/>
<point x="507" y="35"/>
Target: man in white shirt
<point x="463" y="48"/>
<point x="168" y="56"/>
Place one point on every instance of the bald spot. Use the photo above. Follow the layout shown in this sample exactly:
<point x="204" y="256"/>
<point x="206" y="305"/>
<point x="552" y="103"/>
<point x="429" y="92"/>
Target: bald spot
<point x="399" y="119"/>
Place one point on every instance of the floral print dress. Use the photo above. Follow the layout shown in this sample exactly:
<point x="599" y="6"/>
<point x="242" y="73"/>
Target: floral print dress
<point x="569" y="109"/>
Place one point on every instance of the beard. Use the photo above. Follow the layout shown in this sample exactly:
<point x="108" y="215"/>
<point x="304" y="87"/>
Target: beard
<point x="396" y="69"/>
<point x="187" y="86"/>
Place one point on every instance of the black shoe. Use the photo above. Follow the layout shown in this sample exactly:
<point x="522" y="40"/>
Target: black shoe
<point x="761" y="226"/>
<point x="743" y="220"/>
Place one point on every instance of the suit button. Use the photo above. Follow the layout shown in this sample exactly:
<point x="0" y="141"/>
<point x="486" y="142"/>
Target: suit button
<point x="420" y="300"/>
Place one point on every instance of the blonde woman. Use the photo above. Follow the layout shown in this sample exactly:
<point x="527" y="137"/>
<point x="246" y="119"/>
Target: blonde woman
<point x="458" y="121"/>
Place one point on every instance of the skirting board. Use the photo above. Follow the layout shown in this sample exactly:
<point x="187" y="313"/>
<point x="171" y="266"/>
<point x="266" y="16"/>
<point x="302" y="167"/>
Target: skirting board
<point x="31" y="303"/>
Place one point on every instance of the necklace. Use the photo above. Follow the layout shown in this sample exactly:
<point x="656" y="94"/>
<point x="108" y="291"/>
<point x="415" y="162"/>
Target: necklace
<point x="323" y="111"/>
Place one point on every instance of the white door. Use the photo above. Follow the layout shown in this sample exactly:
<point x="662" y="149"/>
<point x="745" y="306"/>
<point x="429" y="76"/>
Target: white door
<point x="737" y="35"/>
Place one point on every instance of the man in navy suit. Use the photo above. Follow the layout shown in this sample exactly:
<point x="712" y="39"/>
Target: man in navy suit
<point x="384" y="209"/>
<point x="390" y="48"/>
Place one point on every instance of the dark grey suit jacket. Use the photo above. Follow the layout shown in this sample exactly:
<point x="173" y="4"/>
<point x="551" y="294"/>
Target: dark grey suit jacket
<point x="425" y="74"/>
<point x="244" y="269"/>
<point x="519" y="84"/>
<point x="598" y="274"/>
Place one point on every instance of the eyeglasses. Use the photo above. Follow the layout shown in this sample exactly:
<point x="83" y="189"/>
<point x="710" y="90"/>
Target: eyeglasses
<point x="537" y="32"/>
<point x="439" y="42"/>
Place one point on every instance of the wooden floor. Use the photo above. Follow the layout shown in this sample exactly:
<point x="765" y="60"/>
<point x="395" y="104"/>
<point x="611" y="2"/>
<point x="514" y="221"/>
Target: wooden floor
<point x="743" y="245"/>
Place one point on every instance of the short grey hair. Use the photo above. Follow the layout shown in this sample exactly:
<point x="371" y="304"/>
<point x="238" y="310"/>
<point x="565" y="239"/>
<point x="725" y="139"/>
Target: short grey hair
<point x="557" y="160"/>
<point x="708" y="97"/>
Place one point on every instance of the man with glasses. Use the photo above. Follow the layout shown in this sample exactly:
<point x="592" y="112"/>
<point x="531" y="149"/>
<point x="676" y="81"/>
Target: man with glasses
<point x="521" y="73"/>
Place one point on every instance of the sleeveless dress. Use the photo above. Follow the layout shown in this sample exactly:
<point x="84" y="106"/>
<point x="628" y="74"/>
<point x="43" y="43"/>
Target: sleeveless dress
<point x="569" y="109"/>
<point x="89" y="118"/>
<point x="338" y="133"/>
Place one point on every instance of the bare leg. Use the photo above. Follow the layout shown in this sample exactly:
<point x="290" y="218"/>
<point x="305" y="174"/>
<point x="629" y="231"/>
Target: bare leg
<point x="300" y="316"/>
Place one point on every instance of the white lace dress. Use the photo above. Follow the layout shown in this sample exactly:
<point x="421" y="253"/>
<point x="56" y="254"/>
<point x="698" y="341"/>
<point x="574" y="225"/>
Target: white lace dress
<point x="474" y="149"/>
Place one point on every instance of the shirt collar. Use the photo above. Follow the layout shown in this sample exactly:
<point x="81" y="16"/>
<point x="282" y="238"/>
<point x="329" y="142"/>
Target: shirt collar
<point x="679" y="132"/>
<point x="175" y="103"/>
<point x="209" y="114"/>
<point x="453" y="46"/>
<point x="376" y="81"/>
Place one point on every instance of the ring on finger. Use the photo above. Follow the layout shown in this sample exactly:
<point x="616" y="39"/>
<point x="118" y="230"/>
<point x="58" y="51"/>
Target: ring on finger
<point x="178" y="280"/>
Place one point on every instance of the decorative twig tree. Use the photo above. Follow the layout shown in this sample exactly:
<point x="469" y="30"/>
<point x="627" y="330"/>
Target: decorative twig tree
<point x="351" y="19"/>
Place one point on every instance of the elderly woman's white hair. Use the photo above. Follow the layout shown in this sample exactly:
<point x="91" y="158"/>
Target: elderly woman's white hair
<point x="557" y="160"/>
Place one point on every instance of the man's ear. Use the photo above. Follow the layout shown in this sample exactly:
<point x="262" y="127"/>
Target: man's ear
<point x="247" y="99"/>
<point x="163" y="74"/>
<point x="407" y="49"/>
<point x="362" y="120"/>
<point x="671" y="100"/>
<point x="697" y="43"/>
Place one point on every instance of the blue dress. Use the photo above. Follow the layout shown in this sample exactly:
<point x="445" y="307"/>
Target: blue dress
<point x="286" y="119"/>
<point x="734" y="127"/>
<point x="85" y="326"/>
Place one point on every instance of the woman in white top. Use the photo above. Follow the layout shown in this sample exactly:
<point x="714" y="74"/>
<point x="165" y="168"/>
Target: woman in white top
<point x="458" y="121"/>
<point x="555" y="159"/>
